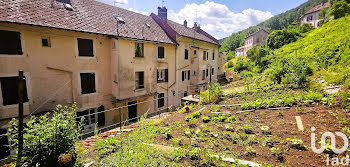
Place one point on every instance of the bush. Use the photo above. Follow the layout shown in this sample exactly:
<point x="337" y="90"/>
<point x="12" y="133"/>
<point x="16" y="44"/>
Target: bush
<point x="279" y="38"/>
<point x="212" y="95"/>
<point x="257" y="54"/>
<point x="339" y="9"/>
<point x="229" y="64"/>
<point x="305" y="27"/>
<point x="206" y="119"/>
<point x="46" y="139"/>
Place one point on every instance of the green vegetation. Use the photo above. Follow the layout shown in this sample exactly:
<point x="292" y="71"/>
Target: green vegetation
<point x="212" y="95"/>
<point x="48" y="141"/>
<point x="277" y="22"/>
<point x="279" y="38"/>
<point x="339" y="9"/>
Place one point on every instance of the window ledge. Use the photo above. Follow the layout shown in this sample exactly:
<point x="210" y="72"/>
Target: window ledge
<point x="14" y="105"/>
<point x="88" y="94"/>
<point x="139" y="89"/>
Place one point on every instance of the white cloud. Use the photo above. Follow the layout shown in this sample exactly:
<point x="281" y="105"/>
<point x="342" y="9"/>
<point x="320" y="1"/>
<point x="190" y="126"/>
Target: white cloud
<point x="121" y="1"/>
<point x="144" y="13"/>
<point x="217" y="19"/>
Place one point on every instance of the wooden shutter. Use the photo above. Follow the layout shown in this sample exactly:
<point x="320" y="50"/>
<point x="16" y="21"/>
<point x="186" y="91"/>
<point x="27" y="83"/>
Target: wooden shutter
<point x="183" y="75"/>
<point x="141" y="83"/>
<point x="157" y="76"/>
<point x="166" y="75"/>
<point x="9" y="89"/>
<point x="87" y="83"/>
<point x="161" y="52"/>
<point x="189" y="74"/>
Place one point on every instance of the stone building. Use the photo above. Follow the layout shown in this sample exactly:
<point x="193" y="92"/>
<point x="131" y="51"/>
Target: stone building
<point x="312" y="16"/>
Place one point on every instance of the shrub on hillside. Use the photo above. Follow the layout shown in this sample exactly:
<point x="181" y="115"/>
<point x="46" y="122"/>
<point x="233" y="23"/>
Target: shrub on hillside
<point x="212" y="95"/>
<point x="279" y="38"/>
<point x="258" y="55"/>
<point x="339" y="9"/>
<point x="46" y="139"/>
<point x="306" y="27"/>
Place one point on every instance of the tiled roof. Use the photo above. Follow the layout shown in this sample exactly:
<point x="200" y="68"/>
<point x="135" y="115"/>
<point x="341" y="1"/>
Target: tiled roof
<point x="319" y="7"/>
<point x="87" y="16"/>
<point x="191" y="33"/>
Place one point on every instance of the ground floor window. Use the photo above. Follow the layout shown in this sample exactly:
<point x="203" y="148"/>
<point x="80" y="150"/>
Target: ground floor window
<point x="161" y="100"/>
<point x="92" y="117"/>
<point x="9" y="90"/>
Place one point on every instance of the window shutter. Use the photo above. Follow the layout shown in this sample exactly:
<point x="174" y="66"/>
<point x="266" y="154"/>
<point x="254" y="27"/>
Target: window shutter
<point x="183" y="75"/>
<point x="189" y="74"/>
<point x="101" y="118"/>
<point x="85" y="47"/>
<point x="157" y="76"/>
<point x="10" y="42"/>
<point x="166" y="75"/>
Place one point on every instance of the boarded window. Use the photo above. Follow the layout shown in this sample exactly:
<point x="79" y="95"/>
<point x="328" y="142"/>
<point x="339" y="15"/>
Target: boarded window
<point x="186" y="54"/>
<point x="87" y="83"/>
<point x="161" y="100"/>
<point x="9" y="89"/>
<point x="10" y="43"/>
<point x="161" y="52"/>
<point x="85" y="47"/>
<point x="138" y="49"/>
<point x="139" y="80"/>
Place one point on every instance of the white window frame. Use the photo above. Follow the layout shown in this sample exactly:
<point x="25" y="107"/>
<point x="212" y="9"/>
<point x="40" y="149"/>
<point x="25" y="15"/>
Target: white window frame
<point x="161" y="74"/>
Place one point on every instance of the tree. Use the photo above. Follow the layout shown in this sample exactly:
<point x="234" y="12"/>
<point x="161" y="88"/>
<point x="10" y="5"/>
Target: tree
<point x="306" y="27"/>
<point x="339" y="9"/>
<point x="46" y="139"/>
<point x="257" y="54"/>
<point x="279" y="38"/>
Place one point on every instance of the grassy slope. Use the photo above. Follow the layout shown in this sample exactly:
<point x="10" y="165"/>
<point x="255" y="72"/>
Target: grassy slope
<point x="326" y="48"/>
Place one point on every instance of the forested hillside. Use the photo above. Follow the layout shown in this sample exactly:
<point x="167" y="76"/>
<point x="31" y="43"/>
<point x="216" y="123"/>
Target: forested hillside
<point x="277" y="22"/>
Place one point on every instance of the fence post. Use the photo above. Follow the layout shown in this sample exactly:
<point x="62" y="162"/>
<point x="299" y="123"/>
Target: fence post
<point x="120" y="118"/>
<point x="20" y="117"/>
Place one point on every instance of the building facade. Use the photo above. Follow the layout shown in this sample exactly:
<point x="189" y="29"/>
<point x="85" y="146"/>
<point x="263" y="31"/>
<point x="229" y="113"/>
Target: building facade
<point x="252" y="39"/>
<point x="102" y="57"/>
<point x="313" y="15"/>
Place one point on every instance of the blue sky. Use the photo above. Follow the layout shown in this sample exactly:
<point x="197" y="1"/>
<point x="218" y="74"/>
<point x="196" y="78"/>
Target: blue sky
<point x="220" y="18"/>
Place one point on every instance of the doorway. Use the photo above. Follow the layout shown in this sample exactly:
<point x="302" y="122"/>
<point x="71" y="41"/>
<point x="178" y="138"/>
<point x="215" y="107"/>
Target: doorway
<point x="132" y="108"/>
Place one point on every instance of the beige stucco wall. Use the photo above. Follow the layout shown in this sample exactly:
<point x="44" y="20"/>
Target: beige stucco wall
<point x="195" y="63"/>
<point x="53" y="74"/>
<point x="314" y="21"/>
<point x="126" y="65"/>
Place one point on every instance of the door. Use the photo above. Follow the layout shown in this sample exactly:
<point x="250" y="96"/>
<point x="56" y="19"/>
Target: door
<point x="132" y="108"/>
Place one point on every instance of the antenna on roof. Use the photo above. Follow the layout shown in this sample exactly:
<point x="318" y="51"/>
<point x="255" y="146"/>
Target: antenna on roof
<point x="163" y="1"/>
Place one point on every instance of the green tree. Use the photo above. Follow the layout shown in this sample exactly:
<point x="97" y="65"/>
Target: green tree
<point x="258" y="55"/>
<point x="306" y="27"/>
<point x="339" y="9"/>
<point x="279" y="38"/>
<point x="45" y="139"/>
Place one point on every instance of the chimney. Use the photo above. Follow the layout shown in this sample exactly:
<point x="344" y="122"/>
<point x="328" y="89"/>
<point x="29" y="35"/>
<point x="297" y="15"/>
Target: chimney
<point x="162" y="13"/>
<point x="196" y="26"/>
<point x="185" y="23"/>
<point x="322" y="3"/>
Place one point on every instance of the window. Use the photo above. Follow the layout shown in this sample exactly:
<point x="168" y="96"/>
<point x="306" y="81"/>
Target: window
<point x="203" y="75"/>
<point x="213" y="55"/>
<point x="195" y="52"/>
<point x="45" y="42"/>
<point x="207" y="55"/>
<point x="138" y="49"/>
<point x="9" y="89"/>
<point x="10" y="43"/>
<point x="160" y="52"/>
<point x="89" y="117"/>
<point x="85" y="47"/>
<point x="185" y="93"/>
<point x="207" y="72"/>
<point x="161" y="100"/>
<point x="139" y="80"/>
<point x="186" y="75"/>
<point x="186" y="54"/>
<point x="204" y="54"/>
<point x="88" y="84"/>
<point x="101" y="118"/>
<point x="162" y="75"/>
<point x="212" y="71"/>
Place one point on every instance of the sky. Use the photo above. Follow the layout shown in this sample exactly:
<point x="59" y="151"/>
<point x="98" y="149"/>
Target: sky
<point x="219" y="18"/>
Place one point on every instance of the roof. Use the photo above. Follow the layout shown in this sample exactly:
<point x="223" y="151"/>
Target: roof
<point x="319" y="7"/>
<point x="191" y="33"/>
<point x="249" y="35"/>
<point x="87" y="16"/>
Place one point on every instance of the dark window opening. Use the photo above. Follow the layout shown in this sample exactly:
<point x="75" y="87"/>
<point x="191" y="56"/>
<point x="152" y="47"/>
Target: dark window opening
<point x="212" y="71"/>
<point x="85" y="47"/>
<point x="88" y="84"/>
<point x="5" y="152"/>
<point x="185" y="94"/>
<point x="139" y="50"/>
<point x="45" y="42"/>
<point x="139" y="81"/>
<point x="161" y="52"/>
<point x="207" y="72"/>
<point x="9" y="89"/>
<point x="162" y="75"/>
<point x="101" y="118"/>
<point x="203" y="75"/>
<point x="10" y="43"/>
<point x="204" y="54"/>
<point x="183" y="75"/>
<point x="188" y="73"/>
<point x="195" y="52"/>
<point x="161" y="100"/>
<point x="213" y="56"/>
<point x="186" y="54"/>
<point x="207" y="55"/>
